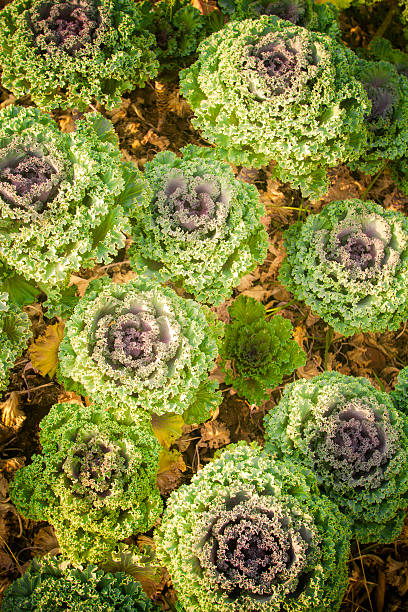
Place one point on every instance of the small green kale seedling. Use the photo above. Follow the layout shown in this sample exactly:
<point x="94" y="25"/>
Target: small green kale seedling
<point x="14" y="334"/>
<point x="257" y="353"/>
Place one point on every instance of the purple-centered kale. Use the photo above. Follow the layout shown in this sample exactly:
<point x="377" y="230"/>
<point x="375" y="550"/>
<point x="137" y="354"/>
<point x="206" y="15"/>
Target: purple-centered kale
<point x="382" y="93"/>
<point x="281" y="63"/>
<point x="248" y="548"/>
<point x="94" y="467"/>
<point x="73" y="53"/>
<point x="349" y="264"/>
<point x="355" y="442"/>
<point x="67" y="26"/>
<point x="136" y="337"/>
<point x="29" y="179"/>
<point x="193" y="204"/>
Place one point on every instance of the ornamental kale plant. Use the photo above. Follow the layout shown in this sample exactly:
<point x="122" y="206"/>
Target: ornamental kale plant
<point x="178" y="28"/>
<point x="349" y="264"/>
<point x="305" y="13"/>
<point x="354" y="440"/>
<point x="14" y="334"/>
<point x="387" y="120"/>
<point x="249" y="533"/>
<point x="264" y="90"/>
<point x="95" y="481"/>
<point x="71" y="53"/>
<point x="62" y="196"/>
<point x="52" y="585"/>
<point x="198" y="225"/>
<point x="142" y="347"/>
<point x="257" y="353"/>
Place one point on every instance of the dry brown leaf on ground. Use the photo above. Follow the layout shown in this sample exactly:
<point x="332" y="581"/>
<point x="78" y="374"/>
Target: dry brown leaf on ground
<point x="45" y="542"/>
<point x="214" y="434"/>
<point x="169" y="474"/>
<point x="11" y="415"/>
<point x="81" y="284"/>
<point x="44" y="351"/>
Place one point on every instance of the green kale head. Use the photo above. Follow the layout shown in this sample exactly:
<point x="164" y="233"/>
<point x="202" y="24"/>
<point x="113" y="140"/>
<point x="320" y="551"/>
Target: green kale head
<point x="72" y="53"/>
<point x="62" y="196"/>
<point x="349" y="263"/>
<point x="387" y="120"/>
<point x="356" y="443"/>
<point x="14" y="334"/>
<point x="178" y="28"/>
<point x="250" y="533"/>
<point x="304" y="13"/>
<point x="142" y="347"/>
<point x="198" y="225"/>
<point x="53" y="585"/>
<point x="95" y="481"/>
<point x="265" y="90"/>
<point x="257" y="353"/>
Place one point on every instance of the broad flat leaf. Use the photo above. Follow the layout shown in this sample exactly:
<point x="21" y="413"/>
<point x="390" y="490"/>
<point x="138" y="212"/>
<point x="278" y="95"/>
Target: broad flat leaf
<point x="44" y="351"/>
<point x="167" y="428"/>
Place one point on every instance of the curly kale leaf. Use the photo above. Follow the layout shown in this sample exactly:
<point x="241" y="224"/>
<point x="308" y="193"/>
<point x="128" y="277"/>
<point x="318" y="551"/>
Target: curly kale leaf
<point x="400" y="393"/>
<point x="263" y="90"/>
<point x="254" y="536"/>
<point x="387" y="120"/>
<point x="349" y="264"/>
<point x="381" y="49"/>
<point x="304" y="13"/>
<point x="63" y="197"/>
<point x="354" y="440"/>
<point x="95" y="481"/>
<point x="142" y="347"/>
<point x="70" y="54"/>
<point x="178" y="28"/>
<point x="257" y="353"/>
<point x="52" y="585"/>
<point x="14" y="334"/>
<point x="198" y="225"/>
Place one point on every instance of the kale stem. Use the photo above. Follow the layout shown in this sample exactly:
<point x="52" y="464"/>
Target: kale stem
<point x="277" y="308"/>
<point x="386" y="23"/>
<point x="329" y="338"/>
<point x="371" y="185"/>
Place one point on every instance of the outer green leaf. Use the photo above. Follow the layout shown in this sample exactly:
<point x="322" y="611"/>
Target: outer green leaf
<point x="54" y="585"/>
